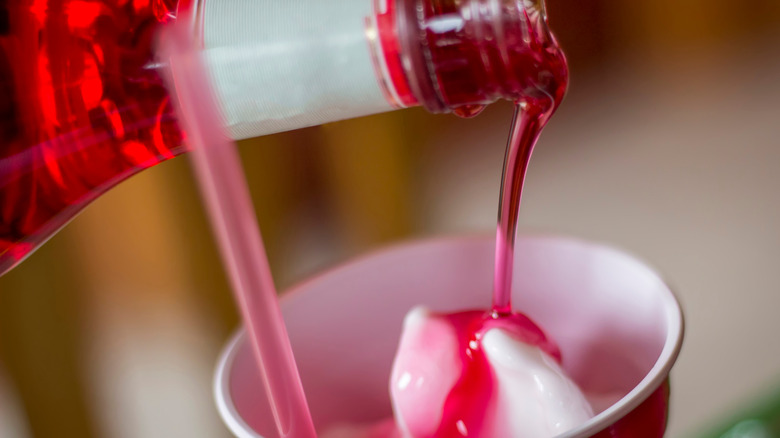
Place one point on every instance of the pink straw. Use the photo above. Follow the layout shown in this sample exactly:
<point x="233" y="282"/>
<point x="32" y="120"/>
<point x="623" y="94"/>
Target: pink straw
<point x="223" y="186"/>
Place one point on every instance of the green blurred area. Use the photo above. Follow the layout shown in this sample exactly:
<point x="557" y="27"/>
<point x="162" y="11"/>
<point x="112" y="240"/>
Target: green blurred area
<point x="142" y="260"/>
<point x="759" y="419"/>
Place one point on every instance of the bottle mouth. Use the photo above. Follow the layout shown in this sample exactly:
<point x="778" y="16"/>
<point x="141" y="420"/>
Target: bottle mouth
<point x="415" y="56"/>
<point x="460" y="55"/>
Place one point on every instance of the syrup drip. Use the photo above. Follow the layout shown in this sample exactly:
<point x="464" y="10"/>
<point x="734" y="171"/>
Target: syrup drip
<point x="530" y="118"/>
<point x="468" y="403"/>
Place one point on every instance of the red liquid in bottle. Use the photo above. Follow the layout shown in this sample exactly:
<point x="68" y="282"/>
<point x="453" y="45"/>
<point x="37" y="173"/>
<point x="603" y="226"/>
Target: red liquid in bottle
<point x="82" y="107"/>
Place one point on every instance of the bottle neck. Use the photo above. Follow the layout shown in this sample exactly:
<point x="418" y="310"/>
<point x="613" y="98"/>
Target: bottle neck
<point x="308" y="62"/>
<point x="450" y="55"/>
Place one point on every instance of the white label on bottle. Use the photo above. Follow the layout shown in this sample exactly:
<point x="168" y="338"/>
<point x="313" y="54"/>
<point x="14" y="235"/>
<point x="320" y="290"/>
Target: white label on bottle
<point x="279" y="65"/>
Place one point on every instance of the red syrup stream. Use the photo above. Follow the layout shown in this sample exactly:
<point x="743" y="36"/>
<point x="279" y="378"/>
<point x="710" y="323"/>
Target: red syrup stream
<point x="522" y="62"/>
<point x="480" y="52"/>
<point x="530" y="118"/>
<point x="469" y="402"/>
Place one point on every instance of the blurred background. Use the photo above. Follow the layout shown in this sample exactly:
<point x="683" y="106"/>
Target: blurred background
<point x="667" y="146"/>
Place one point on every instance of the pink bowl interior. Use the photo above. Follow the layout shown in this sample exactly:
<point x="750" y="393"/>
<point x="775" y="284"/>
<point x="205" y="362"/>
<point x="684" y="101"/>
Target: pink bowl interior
<point x="618" y="325"/>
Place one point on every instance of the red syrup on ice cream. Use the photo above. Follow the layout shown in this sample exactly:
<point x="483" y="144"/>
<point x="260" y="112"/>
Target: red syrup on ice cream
<point x="468" y="403"/>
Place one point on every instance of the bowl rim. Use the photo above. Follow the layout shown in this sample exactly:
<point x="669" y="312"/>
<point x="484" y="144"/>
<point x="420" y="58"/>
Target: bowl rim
<point x="225" y="406"/>
<point x="646" y="387"/>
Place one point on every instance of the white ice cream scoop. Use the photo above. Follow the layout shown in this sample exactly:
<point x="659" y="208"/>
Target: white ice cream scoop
<point x="527" y="394"/>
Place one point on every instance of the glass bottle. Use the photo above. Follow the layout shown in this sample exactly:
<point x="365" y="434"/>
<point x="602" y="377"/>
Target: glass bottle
<point x="83" y="107"/>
